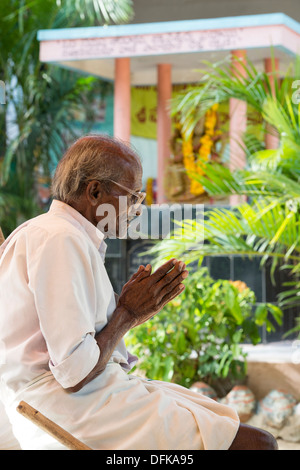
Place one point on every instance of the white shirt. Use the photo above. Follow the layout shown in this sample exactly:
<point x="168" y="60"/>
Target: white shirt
<point x="55" y="295"/>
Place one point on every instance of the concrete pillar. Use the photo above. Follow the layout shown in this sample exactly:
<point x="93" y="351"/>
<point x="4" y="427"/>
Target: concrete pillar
<point x="238" y="121"/>
<point x="164" y="95"/>
<point x="272" y="68"/>
<point x="122" y="99"/>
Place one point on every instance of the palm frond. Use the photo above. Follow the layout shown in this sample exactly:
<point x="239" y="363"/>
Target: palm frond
<point x="248" y="230"/>
<point x="217" y="84"/>
<point x="62" y="13"/>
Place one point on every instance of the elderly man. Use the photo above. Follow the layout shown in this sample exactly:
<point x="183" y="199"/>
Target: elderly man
<point x="63" y="327"/>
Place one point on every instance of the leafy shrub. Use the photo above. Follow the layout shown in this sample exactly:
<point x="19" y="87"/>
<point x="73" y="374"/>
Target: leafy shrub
<point x="199" y="335"/>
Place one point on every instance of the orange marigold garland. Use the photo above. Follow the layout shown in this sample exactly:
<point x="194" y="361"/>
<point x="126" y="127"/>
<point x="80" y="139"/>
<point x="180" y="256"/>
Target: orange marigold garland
<point x="191" y="162"/>
<point x="149" y="192"/>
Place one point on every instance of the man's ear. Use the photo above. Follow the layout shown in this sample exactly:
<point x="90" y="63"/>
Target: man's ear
<point x="94" y="192"/>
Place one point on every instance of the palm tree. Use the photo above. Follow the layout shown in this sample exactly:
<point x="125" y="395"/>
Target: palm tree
<point x="36" y="123"/>
<point x="268" y="223"/>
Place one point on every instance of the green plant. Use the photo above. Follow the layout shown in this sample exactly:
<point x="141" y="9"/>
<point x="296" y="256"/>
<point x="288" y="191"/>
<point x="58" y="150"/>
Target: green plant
<point x="199" y="335"/>
<point x="37" y="123"/>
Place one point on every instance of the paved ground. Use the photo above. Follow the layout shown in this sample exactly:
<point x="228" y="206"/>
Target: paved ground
<point x="283" y="445"/>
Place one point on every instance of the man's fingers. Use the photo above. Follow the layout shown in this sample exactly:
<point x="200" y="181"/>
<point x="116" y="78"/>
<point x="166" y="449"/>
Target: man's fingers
<point x="177" y="272"/>
<point x="171" y="279"/>
<point x="162" y="270"/>
<point x="141" y="268"/>
<point x="135" y="275"/>
<point x="171" y="295"/>
<point x="168" y="288"/>
<point x="144" y="273"/>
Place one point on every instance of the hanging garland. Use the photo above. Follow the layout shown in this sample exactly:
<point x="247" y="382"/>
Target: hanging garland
<point x="191" y="162"/>
<point x="149" y="191"/>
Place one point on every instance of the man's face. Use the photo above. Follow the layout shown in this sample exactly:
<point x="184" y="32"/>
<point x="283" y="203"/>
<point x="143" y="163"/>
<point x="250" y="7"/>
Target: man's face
<point x="116" y="208"/>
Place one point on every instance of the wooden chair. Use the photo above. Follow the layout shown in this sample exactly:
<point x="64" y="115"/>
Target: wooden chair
<point x="50" y="427"/>
<point x="44" y="423"/>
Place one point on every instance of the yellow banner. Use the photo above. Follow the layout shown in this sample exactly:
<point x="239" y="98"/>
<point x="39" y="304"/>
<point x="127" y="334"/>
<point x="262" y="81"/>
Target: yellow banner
<point x="144" y="109"/>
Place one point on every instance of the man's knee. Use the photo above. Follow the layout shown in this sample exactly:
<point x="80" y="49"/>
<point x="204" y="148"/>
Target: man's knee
<point x="250" y="438"/>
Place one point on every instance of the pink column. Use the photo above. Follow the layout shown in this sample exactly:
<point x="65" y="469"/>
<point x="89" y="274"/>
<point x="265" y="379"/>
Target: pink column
<point x="272" y="68"/>
<point x="122" y="99"/>
<point x="238" y="121"/>
<point x="164" y="95"/>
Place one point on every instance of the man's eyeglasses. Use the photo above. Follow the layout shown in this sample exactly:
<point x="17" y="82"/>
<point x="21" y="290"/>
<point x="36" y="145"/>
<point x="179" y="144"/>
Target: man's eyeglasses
<point x="137" y="198"/>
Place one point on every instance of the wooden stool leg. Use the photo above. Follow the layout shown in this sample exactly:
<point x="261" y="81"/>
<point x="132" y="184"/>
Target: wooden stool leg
<point x="51" y="428"/>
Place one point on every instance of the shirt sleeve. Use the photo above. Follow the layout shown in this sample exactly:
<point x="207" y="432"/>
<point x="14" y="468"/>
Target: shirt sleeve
<point x="61" y="279"/>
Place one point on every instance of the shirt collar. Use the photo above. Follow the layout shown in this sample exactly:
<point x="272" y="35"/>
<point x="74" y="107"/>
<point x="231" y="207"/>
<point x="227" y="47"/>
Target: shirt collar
<point x="93" y="232"/>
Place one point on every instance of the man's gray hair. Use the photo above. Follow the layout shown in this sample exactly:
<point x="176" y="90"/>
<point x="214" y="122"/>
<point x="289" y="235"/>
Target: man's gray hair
<point x="92" y="157"/>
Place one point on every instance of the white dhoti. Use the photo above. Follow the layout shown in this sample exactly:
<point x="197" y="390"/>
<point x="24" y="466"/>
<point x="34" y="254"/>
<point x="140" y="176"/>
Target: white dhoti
<point x="117" y="411"/>
<point x="7" y="438"/>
